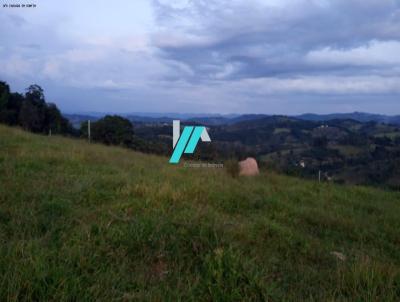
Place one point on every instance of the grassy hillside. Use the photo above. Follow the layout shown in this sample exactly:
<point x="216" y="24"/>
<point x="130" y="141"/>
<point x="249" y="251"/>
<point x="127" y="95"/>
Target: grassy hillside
<point x="88" y="222"/>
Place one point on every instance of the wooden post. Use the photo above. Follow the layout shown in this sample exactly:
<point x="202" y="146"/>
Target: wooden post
<point x="319" y="175"/>
<point x="88" y="130"/>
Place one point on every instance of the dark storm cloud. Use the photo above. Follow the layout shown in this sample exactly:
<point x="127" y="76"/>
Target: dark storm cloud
<point x="231" y="40"/>
<point x="225" y="56"/>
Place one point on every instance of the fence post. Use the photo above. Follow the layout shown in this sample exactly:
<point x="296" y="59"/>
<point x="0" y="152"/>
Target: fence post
<point x="89" y="130"/>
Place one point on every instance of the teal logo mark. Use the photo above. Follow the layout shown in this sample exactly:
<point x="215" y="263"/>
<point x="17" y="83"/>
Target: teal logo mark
<point x="187" y="141"/>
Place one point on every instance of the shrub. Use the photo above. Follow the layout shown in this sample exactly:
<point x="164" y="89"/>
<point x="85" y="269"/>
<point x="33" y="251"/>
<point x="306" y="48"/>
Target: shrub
<point x="232" y="167"/>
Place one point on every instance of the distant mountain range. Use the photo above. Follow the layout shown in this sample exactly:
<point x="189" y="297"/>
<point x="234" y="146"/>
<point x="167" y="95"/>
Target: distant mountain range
<point x="217" y="119"/>
<point x="357" y="116"/>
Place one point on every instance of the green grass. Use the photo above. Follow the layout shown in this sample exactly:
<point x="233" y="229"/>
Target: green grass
<point x="391" y="135"/>
<point x="347" y="150"/>
<point x="281" y="130"/>
<point x="82" y="222"/>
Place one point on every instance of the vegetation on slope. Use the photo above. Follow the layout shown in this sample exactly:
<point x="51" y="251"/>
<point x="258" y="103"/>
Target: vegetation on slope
<point x="31" y="111"/>
<point x="90" y="222"/>
<point x="345" y="151"/>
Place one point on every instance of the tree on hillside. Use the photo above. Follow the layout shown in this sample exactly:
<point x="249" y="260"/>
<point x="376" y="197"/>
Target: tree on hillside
<point x="4" y="95"/>
<point x="320" y="142"/>
<point x="83" y="130"/>
<point x="35" y="94"/>
<point x="55" y="121"/>
<point x="33" y="110"/>
<point x="113" y="130"/>
<point x="10" y="105"/>
<point x="4" y="98"/>
<point x="14" y="107"/>
<point x="31" y="117"/>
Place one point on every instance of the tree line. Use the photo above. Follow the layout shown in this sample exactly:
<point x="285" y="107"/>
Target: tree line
<point x="31" y="112"/>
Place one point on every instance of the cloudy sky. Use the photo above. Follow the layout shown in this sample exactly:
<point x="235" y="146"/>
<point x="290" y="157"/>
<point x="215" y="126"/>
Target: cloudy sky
<point x="206" y="56"/>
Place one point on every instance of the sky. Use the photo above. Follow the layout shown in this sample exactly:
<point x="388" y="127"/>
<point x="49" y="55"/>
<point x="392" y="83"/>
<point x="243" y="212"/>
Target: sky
<point x="206" y="56"/>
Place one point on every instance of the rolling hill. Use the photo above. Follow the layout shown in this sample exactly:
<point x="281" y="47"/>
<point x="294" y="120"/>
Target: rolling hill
<point x="216" y="119"/>
<point x="344" y="150"/>
<point x="357" y="116"/>
<point x="86" y="222"/>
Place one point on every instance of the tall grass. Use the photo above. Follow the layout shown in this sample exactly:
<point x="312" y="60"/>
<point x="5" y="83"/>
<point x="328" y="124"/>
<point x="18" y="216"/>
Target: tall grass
<point x="81" y="222"/>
